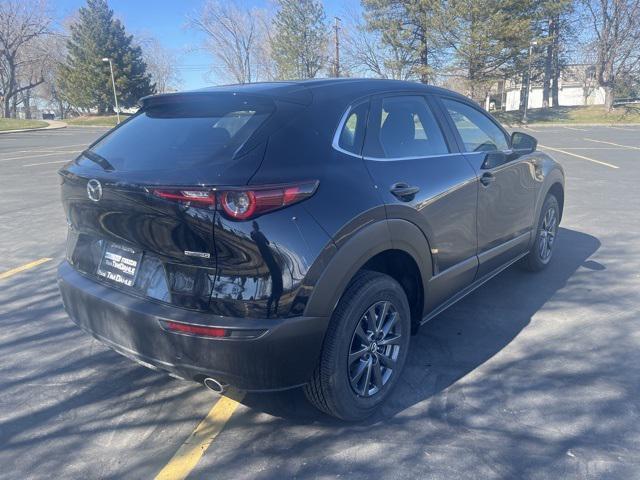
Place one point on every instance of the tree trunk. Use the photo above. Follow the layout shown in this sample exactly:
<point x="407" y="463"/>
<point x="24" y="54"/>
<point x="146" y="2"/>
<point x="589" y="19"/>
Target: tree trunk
<point x="6" y="108"/>
<point x="548" y="60"/>
<point x="608" y="97"/>
<point x="424" y="60"/>
<point x="524" y="91"/>
<point x="555" y="63"/>
<point x="26" y="103"/>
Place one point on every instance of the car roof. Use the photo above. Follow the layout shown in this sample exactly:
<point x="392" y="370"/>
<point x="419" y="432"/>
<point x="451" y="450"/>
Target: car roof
<point x="347" y="86"/>
<point x="345" y="89"/>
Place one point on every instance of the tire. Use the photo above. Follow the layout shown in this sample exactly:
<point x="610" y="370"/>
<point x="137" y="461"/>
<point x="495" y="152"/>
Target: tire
<point x="547" y="231"/>
<point x="340" y="386"/>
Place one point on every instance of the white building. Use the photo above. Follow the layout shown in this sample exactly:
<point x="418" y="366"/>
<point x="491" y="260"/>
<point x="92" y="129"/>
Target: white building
<point x="577" y="86"/>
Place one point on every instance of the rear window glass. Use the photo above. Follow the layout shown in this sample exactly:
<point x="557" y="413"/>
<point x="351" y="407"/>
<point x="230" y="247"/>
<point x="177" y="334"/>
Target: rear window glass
<point x="352" y="133"/>
<point x="183" y="134"/>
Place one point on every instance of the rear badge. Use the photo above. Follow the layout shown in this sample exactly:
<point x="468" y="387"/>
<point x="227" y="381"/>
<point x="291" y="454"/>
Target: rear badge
<point x="94" y="190"/>
<point x="197" y="254"/>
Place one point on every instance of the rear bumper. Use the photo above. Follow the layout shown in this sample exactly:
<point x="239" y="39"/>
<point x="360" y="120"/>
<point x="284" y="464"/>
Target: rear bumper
<point x="282" y="357"/>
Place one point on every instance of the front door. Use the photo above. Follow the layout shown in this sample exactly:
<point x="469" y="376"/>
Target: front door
<point x="422" y="177"/>
<point x="507" y="186"/>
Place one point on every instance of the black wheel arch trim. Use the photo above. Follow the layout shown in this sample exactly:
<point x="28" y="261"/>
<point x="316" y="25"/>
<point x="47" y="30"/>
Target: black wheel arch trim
<point x="367" y="242"/>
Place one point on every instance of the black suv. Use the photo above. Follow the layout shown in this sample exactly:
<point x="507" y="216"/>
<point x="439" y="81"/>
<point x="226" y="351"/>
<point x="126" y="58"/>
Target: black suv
<point x="277" y="235"/>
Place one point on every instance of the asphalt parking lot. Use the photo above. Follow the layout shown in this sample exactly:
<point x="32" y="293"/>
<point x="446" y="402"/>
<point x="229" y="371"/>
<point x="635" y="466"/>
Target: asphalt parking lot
<point x="531" y="376"/>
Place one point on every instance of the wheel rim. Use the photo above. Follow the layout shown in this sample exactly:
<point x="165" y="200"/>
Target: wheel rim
<point x="375" y="347"/>
<point x="547" y="235"/>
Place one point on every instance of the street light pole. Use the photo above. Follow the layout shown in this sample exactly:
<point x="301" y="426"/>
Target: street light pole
<point x="113" y="83"/>
<point x="526" y="101"/>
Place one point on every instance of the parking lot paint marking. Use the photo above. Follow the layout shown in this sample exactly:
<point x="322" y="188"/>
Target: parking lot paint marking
<point x="48" y="150"/>
<point x="22" y="157"/>
<point x="579" y="156"/>
<point x="46" y="163"/>
<point x="625" y="129"/>
<point x="593" y="148"/>
<point x="190" y="452"/>
<point x="22" y="268"/>
<point x="614" y="144"/>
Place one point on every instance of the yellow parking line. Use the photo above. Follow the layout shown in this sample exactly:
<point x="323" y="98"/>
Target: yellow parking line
<point x="611" y="143"/>
<point x="22" y="268"/>
<point x="190" y="452"/>
<point x="579" y="156"/>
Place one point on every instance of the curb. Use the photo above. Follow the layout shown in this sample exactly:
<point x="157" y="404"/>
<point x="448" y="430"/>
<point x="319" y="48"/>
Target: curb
<point x="48" y="127"/>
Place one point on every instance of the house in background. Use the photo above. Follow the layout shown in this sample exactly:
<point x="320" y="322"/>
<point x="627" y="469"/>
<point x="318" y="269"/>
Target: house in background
<point x="577" y="87"/>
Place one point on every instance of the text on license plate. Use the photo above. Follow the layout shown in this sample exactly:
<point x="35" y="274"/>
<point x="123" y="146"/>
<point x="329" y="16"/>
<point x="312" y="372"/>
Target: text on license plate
<point x="119" y="264"/>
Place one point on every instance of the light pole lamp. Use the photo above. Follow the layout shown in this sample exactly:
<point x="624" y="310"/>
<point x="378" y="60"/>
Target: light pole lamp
<point x="113" y="83"/>
<point x="526" y="101"/>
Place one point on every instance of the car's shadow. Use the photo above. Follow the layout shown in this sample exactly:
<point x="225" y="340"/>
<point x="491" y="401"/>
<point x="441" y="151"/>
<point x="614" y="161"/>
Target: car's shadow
<point x="462" y="338"/>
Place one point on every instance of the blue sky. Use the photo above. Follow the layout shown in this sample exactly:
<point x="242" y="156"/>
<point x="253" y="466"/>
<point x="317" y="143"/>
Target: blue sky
<point x="165" y="20"/>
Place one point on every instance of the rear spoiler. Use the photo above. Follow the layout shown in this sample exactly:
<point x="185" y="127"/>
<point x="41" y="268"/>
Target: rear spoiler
<point x="298" y="94"/>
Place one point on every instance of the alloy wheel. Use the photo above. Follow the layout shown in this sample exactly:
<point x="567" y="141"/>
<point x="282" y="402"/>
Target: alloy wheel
<point x="374" y="350"/>
<point x="547" y="235"/>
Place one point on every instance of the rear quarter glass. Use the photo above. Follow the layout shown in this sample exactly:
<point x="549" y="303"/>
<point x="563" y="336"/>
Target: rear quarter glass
<point x="191" y="133"/>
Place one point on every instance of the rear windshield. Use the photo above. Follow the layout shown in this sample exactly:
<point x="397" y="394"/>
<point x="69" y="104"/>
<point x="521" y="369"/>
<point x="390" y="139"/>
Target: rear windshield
<point x="182" y="133"/>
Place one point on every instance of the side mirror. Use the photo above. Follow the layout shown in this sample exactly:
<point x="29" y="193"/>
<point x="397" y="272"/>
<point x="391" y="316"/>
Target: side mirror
<point x="522" y="143"/>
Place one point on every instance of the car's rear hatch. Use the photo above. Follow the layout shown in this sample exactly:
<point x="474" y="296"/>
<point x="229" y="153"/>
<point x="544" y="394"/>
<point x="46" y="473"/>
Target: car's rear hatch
<point x="124" y="231"/>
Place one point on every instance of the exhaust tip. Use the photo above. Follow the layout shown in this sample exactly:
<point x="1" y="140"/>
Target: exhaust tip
<point x="213" y="384"/>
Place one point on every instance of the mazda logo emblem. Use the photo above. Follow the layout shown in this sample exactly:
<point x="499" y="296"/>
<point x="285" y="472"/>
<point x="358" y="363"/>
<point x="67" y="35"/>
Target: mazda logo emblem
<point x="94" y="190"/>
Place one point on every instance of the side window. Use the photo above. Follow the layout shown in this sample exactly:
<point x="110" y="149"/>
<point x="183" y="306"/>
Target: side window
<point x="478" y="132"/>
<point x="352" y="133"/>
<point x="408" y="129"/>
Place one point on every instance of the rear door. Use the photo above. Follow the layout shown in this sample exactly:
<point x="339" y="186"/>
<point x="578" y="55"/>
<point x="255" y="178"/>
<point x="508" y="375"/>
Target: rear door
<point x="423" y="178"/>
<point x="506" y="196"/>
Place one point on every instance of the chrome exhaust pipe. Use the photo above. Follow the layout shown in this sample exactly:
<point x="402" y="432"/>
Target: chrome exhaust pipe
<point x="213" y="384"/>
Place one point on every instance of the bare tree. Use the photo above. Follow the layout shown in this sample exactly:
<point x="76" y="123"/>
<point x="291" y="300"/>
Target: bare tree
<point x="22" y="22"/>
<point x="234" y="35"/>
<point x="161" y="64"/>
<point x="51" y="90"/>
<point x="616" y="30"/>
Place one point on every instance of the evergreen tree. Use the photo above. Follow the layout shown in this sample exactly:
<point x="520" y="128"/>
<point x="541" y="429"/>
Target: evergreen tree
<point x="407" y="27"/>
<point x="552" y="32"/>
<point x="489" y="39"/>
<point x="86" y="78"/>
<point x="299" y="44"/>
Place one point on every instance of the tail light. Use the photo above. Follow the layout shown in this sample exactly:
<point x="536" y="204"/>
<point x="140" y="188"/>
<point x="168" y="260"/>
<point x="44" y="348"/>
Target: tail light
<point x="199" y="197"/>
<point x="243" y="203"/>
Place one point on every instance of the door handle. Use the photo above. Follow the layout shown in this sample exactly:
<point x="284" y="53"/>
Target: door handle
<point x="487" y="178"/>
<point x="403" y="191"/>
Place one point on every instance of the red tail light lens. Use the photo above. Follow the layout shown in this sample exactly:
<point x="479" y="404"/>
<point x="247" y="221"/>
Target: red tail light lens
<point x="199" y="197"/>
<point x="240" y="205"/>
<point x="196" y="329"/>
<point x="243" y="204"/>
